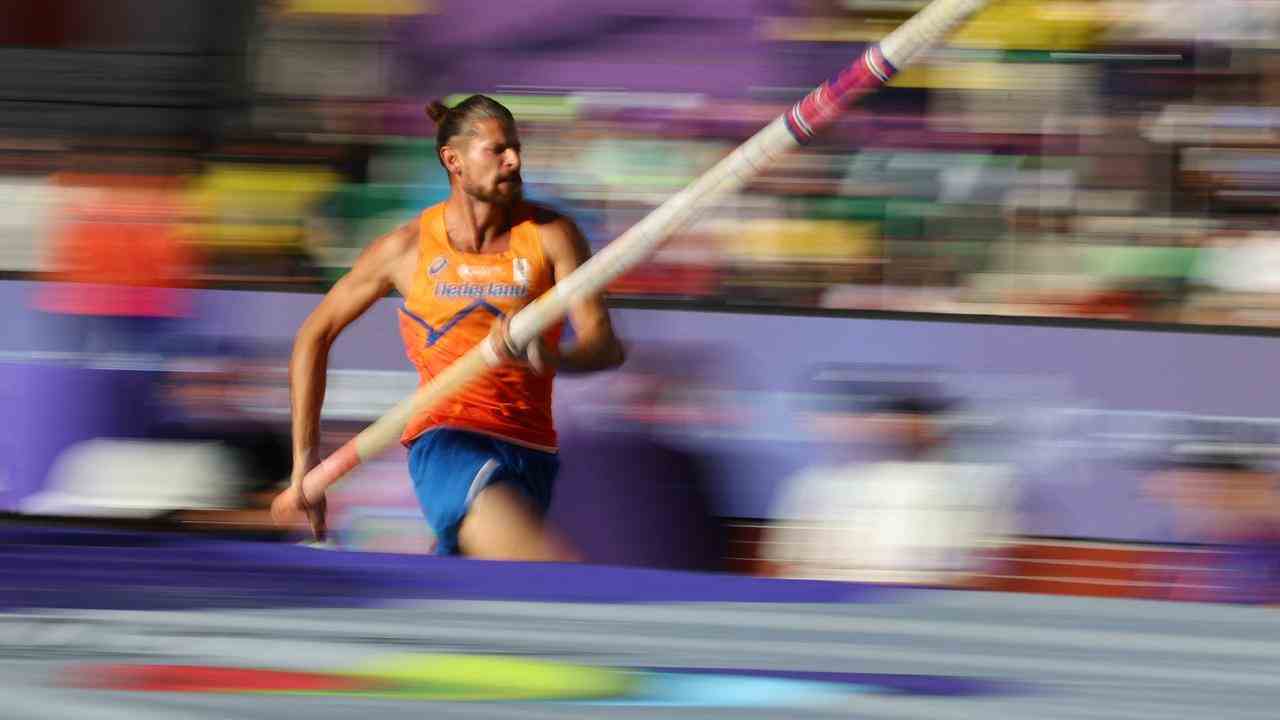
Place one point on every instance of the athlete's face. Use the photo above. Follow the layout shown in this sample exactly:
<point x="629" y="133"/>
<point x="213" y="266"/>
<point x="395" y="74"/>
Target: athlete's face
<point x="487" y="162"/>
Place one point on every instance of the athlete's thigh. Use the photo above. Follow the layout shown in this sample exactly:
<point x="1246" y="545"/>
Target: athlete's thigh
<point x="503" y="524"/>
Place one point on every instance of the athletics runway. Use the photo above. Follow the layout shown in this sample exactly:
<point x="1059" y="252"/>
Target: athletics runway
<point x="142" y="627"/>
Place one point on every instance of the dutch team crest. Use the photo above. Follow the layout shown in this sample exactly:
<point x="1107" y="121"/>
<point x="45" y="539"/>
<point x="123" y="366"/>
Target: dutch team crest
<point x="437" y="265"/>
<point x="520" y="270"/>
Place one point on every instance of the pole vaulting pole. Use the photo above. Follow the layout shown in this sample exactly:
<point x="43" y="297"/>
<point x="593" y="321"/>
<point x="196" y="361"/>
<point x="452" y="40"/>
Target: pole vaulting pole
<point x="793" y="128"/>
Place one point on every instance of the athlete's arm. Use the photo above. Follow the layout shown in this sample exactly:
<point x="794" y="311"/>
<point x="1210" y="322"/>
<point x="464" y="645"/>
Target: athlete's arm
<point x="595" y="347"/>
<point x="370" y="278"/>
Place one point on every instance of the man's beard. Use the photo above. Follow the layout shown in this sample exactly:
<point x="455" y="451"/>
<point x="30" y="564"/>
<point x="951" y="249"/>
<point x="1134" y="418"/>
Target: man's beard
<point x="495" y="195"/>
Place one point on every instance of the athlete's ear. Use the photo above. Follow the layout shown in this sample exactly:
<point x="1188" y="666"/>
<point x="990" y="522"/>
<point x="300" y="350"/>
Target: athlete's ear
<point x="452" y="160"/>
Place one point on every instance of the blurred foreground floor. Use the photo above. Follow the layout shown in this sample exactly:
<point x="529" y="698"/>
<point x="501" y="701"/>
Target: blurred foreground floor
<point x="895" y="654"/>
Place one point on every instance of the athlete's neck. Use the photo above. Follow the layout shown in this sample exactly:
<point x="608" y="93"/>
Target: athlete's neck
<point x="475" y="226"/>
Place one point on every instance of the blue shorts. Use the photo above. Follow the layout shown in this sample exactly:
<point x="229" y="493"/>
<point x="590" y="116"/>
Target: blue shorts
<point x="450" y="467"/>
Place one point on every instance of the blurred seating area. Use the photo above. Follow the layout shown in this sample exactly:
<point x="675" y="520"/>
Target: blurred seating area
<point x="1100" y="159"/>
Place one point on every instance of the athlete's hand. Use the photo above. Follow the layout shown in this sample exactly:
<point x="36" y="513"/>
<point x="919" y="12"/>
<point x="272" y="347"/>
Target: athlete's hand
<point x="292" y="506"/>
<point x="542" y="357"/>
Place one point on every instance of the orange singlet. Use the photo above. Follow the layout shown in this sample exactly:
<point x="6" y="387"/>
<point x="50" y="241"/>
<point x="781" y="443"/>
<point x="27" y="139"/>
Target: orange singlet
<point x="451" y="306"/>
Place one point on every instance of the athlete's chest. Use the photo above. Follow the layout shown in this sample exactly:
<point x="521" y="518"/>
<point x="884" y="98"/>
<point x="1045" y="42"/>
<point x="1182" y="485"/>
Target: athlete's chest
<point x="502" y="278"/>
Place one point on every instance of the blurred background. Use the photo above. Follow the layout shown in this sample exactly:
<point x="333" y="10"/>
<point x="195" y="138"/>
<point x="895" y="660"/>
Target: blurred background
<point x="1012" y="315"/>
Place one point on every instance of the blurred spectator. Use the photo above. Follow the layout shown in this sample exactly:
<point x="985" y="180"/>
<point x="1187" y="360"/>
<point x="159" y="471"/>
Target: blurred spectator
<point x="118" y="262"/>
<point x="1238" y="280"/>
<point x="919" y="514"/>
<point x="254" y="215"/>
<point x="1226" y="495"/>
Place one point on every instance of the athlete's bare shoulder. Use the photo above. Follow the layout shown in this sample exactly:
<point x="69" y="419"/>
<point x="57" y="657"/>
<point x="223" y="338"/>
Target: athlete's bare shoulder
<point x="400" y="241"/>
<point x="397" y="254"/>
<point x="560" y="235"/>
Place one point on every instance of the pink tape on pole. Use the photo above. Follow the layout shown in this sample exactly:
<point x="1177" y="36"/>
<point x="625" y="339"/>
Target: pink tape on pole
<point x="334" y="467"/>
<point x="828" y="100"/>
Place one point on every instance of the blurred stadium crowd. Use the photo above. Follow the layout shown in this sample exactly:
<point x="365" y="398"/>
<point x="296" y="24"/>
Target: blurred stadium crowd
<point x="1079" y="158"/>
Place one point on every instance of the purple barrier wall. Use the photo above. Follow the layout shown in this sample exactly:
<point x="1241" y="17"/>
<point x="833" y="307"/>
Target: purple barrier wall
<point x="1072" y="406"/>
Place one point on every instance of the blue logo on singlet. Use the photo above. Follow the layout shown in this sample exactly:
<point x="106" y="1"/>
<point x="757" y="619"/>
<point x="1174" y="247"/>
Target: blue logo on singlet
<point x="434" y="334"/>
<point x="437" y="265"/>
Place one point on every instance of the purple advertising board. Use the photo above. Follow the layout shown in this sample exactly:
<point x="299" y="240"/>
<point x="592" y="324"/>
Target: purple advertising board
<point x="1076" y="410"/>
